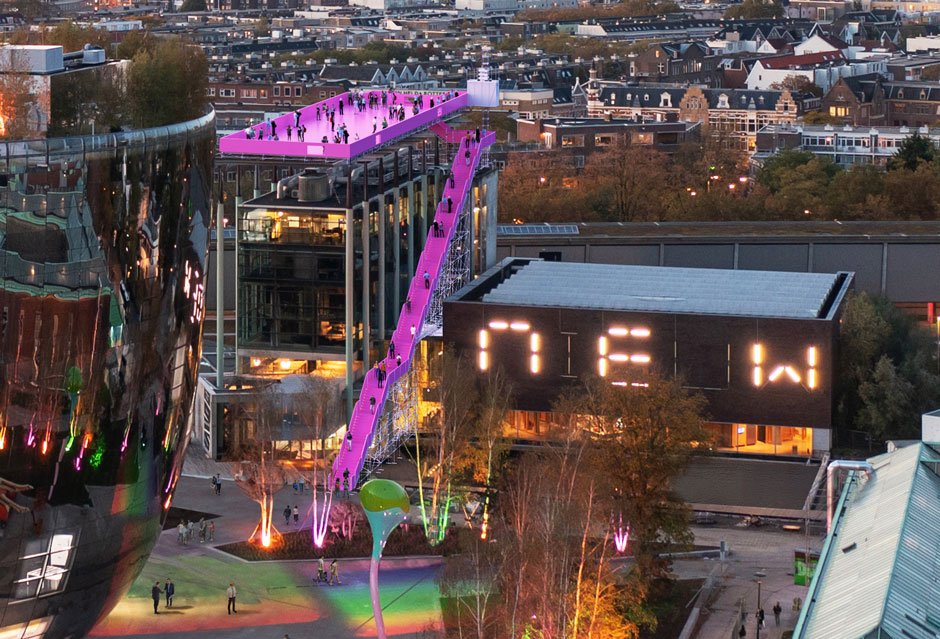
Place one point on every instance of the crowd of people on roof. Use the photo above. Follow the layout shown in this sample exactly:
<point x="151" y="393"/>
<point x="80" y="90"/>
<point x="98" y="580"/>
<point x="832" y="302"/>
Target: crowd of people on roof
<point x="394" y="104"/>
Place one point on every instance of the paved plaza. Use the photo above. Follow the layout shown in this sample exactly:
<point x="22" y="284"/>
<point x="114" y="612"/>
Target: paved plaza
<point x="280" y="597"/>
<point x="274" y="598"/>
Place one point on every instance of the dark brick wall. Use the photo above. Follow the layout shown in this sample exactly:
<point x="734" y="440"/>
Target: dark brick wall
<point x="712" y="353"/>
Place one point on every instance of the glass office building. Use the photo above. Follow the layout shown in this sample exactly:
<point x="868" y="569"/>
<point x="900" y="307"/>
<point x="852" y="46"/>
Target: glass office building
<point x="103" y="248"/>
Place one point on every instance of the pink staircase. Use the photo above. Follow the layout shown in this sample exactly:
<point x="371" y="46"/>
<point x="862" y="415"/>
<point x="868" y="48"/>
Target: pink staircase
<point x="366" y="415"/>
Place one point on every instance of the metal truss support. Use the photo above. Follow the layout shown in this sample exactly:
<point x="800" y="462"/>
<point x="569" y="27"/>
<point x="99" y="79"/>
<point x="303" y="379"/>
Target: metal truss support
<point x="399" y="421"/>
<point x="455" y="272"/>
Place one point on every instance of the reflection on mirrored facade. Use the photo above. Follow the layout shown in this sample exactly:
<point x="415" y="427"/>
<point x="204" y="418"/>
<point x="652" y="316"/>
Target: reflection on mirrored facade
<point x="103" y="248"/>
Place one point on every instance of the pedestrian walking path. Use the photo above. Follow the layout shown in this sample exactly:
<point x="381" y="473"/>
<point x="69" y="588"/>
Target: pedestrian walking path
<point x="375" y="386"/>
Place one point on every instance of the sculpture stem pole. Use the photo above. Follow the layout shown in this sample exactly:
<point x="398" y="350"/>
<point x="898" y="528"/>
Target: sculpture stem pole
<point x="377" y="544"/>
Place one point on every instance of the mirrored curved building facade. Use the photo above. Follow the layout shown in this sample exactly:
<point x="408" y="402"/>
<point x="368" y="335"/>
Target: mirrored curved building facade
<point x="103" y="249"/>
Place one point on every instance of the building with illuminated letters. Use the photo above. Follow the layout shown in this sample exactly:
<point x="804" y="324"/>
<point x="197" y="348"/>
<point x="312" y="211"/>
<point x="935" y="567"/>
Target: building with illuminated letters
<point x="758" y="345"/>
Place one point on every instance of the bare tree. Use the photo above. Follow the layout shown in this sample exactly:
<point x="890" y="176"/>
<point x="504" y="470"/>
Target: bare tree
<point x="470" y="580"/>
<point x="259" y="474"/>
<point x="495" y="402"/>
<point x="19" y="107"/>
<point x="442" y="450"/>
<point x="318" y="410"/>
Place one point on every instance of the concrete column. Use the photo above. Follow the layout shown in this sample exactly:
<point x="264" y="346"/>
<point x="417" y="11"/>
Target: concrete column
<point x="396" y="253"/>
<point x="238" y="208"/>
<point x="396" y="238"/>
<point x="411" y="214"/>
<point x="366" y="272"/>
<point x="425" y="210"/>
<point x="383" y="280"/>
<point x="350" y="301"/>
<point x="411" y="229"/>
<point x="257" y="176"/>
<point x="219" y="296"/>
<point x="382" y="275"/>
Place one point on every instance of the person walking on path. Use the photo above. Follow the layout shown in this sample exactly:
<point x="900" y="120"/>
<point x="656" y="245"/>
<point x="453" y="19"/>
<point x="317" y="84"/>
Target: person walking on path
<point x="231" y="593"/>
<point x="334" y="573"/>
<point x="155" y="593"/>
<point x="321" y="571"/>
<point x="169" y="590"/>
<point x="742" y="632"/>
<point x="427" y="280"/>
<point x="760" y="617"/>
<point x="466" y="156"/>
<point x="218" y="484"/>
<point x="450" y="205"/>
<point x="371" y="406"/>
<point x="287" y="515"/>
<point x="202" y="530"/>
<point x="777" y="610"/>
<point x="180" y="533"/>
<point x="211" y="528"/>
<point x="346" y="483"/>
<point x="213" y="479"/>
<point x="296" y="514"/>
<point x="349" y="440"/>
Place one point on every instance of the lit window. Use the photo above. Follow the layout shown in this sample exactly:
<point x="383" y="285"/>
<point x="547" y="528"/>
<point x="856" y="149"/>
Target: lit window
<point x="43" y="569"/>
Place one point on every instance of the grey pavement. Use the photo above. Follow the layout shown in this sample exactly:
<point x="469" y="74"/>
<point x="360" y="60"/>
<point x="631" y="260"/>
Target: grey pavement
<point x="735" y="481"/>
<point x="274" y="597"/>
<point x="279" y="597"/>
<point x="756" y="555"/>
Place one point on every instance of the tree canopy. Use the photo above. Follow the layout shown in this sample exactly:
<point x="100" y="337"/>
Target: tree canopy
<point x="887" y="373"/>
<point x="709" y="180"/>
<point x="167" y="83"/>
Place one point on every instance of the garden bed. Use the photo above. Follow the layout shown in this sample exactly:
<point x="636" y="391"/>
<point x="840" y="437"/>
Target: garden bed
<point x="403" y="542"/>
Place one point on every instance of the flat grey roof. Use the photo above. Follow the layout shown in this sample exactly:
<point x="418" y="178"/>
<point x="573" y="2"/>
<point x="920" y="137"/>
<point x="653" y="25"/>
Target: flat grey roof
<point x="666" y="289"/>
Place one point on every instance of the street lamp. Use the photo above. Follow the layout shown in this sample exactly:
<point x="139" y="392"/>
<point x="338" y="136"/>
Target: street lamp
<point x="758" y="608"/>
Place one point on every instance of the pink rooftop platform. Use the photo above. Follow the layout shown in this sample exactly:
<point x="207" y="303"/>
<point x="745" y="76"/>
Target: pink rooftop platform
<point x="358" y="123"/>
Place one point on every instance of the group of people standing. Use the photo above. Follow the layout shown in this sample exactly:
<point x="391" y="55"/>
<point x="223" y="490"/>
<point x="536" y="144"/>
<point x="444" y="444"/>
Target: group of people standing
<point x="345" y="489"/>
<point x="186" y="531"/>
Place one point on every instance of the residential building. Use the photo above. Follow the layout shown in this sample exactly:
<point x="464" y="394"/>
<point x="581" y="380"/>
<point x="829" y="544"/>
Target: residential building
<point x="531" y="104"/>
<point x="584" y="136"/>
<point x="846" y="145"/>
<point x="733" y="115"/>
<point x="821" y="69"/>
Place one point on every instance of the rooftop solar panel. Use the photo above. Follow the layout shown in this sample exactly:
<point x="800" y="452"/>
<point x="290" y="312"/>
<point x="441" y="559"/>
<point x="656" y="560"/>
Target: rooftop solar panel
<point x="537" y="229"/>
<point x="666" y="289"/>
